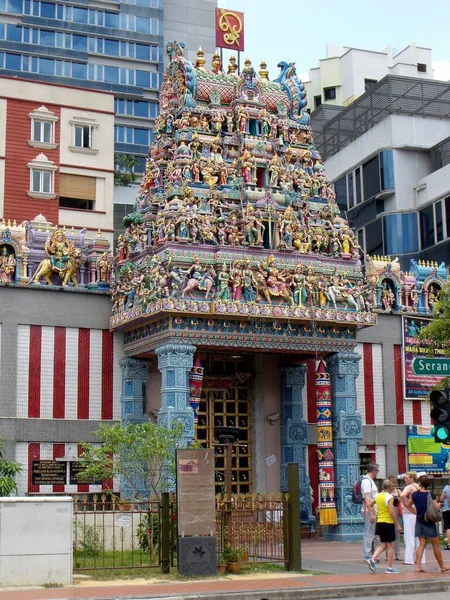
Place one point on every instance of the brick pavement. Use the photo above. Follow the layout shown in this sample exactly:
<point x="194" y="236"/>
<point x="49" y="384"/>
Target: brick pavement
<point x="350" y="578"/>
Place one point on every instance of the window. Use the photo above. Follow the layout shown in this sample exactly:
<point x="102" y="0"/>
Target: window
<point x="41" y="181"/>
<point x="427" y="237"/>
<point x="351" y="192"/>
<point x="82" y="136"/>
<point x="41" y="177"/>
<point x="358" y="185"/>
<point x="329" y="93"/>
<point x="42" y="133"/>
<point x="371" y="178"/>
<point x="439" y="221"/>
<point x="447" y="215"/>
<point x="369" y="83"/>
<point x="47" y="10"/>
<point x="421" y="67"/>
<point x="387" y="170"/>
<point x="340" y="188"/>
<point x="77" y="191"/>
<point x="374" y="237"/>
<point x="317" y="101"/>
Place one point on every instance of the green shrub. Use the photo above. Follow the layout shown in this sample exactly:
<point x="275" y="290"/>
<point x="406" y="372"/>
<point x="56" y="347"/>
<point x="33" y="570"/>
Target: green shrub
<point x="89" y="540"/>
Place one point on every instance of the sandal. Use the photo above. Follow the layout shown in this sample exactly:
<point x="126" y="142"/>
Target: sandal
<point x="447" y="547"/>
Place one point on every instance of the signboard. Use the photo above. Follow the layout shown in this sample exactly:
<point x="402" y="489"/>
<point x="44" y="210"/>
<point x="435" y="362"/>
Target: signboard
<point x="196" y="502"/>
<point x="424" y="454"/>
<point x="48" y="472"/>
<point x="431" y="366"/>
<point x="416" y="385"/>
<point x="75" y="468"/>
<point x="229" y="29"/>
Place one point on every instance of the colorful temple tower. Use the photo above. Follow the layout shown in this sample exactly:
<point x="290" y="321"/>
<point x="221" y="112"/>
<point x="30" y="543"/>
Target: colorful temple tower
<point x="236" y="254"/>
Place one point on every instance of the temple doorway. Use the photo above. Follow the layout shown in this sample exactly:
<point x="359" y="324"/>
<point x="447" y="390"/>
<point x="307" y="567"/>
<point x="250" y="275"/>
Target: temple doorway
<point x="226" y="400"/>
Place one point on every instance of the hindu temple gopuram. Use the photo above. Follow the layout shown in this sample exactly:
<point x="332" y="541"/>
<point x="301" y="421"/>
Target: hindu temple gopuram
<point x="237" y="263"/>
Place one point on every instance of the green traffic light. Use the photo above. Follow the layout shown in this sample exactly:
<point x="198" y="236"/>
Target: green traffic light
<point x="441" y="433"/>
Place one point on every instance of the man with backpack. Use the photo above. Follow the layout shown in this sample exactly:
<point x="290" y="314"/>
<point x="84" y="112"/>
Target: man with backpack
<point x="369" y="491"/>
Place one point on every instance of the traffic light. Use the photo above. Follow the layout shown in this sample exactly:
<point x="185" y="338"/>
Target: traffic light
<point x="440" y="413"/>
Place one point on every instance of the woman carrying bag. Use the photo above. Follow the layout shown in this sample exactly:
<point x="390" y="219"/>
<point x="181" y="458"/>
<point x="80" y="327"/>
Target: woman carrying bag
<point x="423" y="503"/>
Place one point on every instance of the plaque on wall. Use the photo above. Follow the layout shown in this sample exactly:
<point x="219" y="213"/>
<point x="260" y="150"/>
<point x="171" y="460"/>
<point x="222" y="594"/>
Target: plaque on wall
<point x="48" y="472"/>
<point x="76" y="467"/>
<point x="196" y="500"/>
<point x="197" y="555"/>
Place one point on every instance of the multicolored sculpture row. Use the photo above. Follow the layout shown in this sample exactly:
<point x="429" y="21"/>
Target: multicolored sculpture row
<point x="37" y="250"/>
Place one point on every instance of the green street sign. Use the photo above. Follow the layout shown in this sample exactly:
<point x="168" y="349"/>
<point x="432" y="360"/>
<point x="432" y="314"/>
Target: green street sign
<point x="431" y="366"/>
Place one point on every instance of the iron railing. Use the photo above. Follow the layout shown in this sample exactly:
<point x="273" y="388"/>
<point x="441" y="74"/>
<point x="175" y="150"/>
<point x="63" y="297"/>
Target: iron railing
<point x="394" y="94"/>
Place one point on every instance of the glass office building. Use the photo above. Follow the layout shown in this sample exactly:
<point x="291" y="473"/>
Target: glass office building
<point x="101" y="45"/>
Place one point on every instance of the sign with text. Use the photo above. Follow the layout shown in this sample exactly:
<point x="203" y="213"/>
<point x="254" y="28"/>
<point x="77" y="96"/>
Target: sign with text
<point x="196" y="501"/>
<point x="48" y="472"/>
<point x="417" y="385"/>
<point x="431" y="366"/>
<point x="76" y="467"/>
<point x="229" y="29"/>
<point x="424" y="454"/>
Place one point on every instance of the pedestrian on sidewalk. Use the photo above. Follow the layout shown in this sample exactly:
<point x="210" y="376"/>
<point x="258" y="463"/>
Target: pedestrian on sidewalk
<point x="424" y="529"/>
<point x="398" y="513"/>
<point x="369" y="491"/>
<point x="445" y="499"/>
<point x="387" y="523"/>
<point x="409" y="520"/>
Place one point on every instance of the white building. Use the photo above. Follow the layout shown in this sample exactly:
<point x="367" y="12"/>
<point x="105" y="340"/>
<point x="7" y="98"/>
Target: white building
<point x="346" y="73"/>
<point x="388" y="155"/>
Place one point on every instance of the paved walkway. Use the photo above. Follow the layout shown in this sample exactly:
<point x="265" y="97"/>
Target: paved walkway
<point x="346" y="575"/>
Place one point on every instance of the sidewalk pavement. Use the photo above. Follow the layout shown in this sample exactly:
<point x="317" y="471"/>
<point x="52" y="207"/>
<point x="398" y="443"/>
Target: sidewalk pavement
<point x="346" y="576"/>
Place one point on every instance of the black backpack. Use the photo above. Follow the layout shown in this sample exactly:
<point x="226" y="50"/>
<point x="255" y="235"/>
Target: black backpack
<point x="357" y="495"/>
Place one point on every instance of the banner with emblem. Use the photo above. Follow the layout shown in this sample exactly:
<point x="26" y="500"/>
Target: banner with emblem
<point x="229" y="29"/>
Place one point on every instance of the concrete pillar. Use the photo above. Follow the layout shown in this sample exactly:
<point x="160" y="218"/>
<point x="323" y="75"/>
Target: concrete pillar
<point x="175" y="361"/>
<point x="347" y="434"/>
<point x="134" y="389"/>
<point x="294" y="433"/>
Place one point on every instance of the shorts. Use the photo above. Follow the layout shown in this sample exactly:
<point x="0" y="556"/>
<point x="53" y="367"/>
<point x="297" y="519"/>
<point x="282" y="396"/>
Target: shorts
<point x="446" y="515"/>
<point x="386" y="531"/>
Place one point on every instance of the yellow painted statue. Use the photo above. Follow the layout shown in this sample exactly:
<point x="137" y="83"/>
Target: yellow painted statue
<point x="63" y="258"/>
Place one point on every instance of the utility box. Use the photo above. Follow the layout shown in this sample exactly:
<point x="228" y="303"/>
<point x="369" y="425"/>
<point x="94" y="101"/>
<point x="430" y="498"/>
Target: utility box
<point x="36" y="541"/>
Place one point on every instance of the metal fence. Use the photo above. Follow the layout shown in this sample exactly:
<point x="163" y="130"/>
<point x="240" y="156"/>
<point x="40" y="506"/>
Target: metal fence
<point x="393" y="94"/>
<point x="257" y="523"/>
<point x="111" y="533"/>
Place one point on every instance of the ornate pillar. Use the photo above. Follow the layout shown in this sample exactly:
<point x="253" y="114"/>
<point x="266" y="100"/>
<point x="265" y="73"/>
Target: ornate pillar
<point x="133" y="400"/>
<point x="294" y="433"/>
<point x="134" y="389"/>
<point x="347" y="429"/>
<point x="175" y="363"/>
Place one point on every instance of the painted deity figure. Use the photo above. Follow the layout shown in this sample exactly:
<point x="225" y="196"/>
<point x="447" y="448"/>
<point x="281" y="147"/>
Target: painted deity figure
<point x="7" y="265"/>
<point x="224" y="292"/>
<point x="298" y="286"/>
<point x="57" y="249"/>
<point x="103" y="268"/>
<point x="242" y="120"/>
<point x="264" y="122"/>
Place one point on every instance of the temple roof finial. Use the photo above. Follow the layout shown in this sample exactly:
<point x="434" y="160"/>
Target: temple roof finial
<point x="232" y="66"/>
<point x="263" y="72"/>
<point x="200" y="62"/>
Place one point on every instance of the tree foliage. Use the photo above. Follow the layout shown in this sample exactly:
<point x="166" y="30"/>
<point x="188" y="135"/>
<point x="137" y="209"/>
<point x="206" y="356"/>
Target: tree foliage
<point x="143" y="454"/>
<point x="8" y="471"/>
<point x="437" y="332"/>
<point x="124" y="174"/>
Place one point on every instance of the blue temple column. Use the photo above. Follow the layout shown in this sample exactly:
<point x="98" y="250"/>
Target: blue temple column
<point x="134" y="389"/>
<point x="294" y="433"/>
<point x="347" y="434"/>
<point x="175" y="362"/>
<point x="133" y="401"/>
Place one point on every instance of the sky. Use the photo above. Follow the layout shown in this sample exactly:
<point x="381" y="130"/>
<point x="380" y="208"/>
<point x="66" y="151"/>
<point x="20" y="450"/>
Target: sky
<point x="298" y="31"/>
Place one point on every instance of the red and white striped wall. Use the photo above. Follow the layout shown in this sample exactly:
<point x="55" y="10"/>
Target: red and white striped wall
<point x="26" y="453"/>
<point x="67" y="373"/>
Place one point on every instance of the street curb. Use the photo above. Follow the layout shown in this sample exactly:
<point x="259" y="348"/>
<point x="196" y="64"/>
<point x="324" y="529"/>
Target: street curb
<point x="349" y="591"/>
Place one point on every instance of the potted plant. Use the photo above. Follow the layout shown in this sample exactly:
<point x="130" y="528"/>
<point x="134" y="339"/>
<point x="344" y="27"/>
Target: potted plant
<point x="221" y="564"/>
<point x="233" y="558"/>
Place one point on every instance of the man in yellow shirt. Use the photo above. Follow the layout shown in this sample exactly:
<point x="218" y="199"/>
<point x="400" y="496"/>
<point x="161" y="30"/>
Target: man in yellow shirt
<point x="385" y="528"/>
